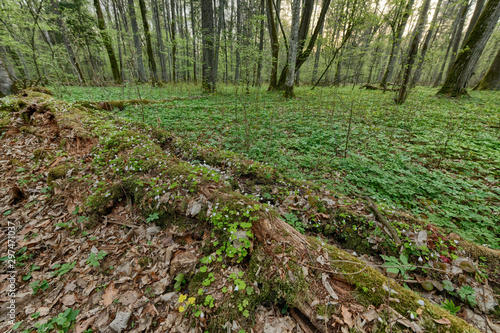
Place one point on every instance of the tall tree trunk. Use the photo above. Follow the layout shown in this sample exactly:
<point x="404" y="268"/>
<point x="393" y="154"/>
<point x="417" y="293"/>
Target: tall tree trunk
<point x="275" y="47"/>
<point x="450" y="43"/>
<point x="120" y="41"/>
<point x="238" y="41"/>
<point x="188" y="60"/>
<point x="317" y="55"/>
<point x="261" y="45"/>
<point x="475" y="16"/>
<point x="149" y="46"/>
<point x="217" y="35"/>
<point x="292" y="50"/>
<point x="458" y="35"/>
<point x="396" y="44"/>
<point x="459" y="76"/>
<point x="159" y="41"/>
<point x="107" y="43"/>
<point x="412" y="52"/>
<point x="491" y="80"/>
<point x="194" y="39"/>
<point x="62" y="29"/>
<point x="7" y="87"/>
<point x="207" y="30"/>
<point x="174" y="41"/>
<point x="137" y="42"/>
<point x="425" y="45"/>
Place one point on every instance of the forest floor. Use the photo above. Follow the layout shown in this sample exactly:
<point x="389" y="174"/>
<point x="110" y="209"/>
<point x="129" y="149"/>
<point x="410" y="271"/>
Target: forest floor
<point x="123" y="226"/>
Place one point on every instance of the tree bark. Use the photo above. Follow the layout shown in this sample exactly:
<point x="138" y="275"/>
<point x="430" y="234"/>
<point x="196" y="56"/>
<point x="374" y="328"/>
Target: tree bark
<point x="149" y="46"/>
<point x="396" y="44"/>
<point x="207" y="30"/>
<point x="194" y="40"/>
<point x="107" y="43"/>
<point x="174" y="41"/>
<point x="159" y="41"/>
<point x="491" y="80"/>
<point x="275" y="47"/>
<point x="6" y="85"/>
<point x="425" y="45"/>
<point x="412" y="52"/>
<point x="238" y="41"/>
<point x="137" y="42"/>
<point x="292" y="50"/>
<point x="475" y="16"/>
<point x="261" y="46"/>
<point x="458" y="35"/>
<point x="459" y="76"/>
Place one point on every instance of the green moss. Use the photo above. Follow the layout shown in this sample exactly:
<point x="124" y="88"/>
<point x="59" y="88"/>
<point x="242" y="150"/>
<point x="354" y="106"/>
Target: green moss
<point x="4" y="123"/>
<point x="40" y="154"/>
<point x="56" y="173"/>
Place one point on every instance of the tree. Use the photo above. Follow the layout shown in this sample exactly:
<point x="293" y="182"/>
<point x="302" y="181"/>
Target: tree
<point x="456" y="81"/>
<point x="207" y="31"/>
<point x="292" y="50"/>
<point x="412" y="52"/>
<point x="275" y="47"/>
<point x="6" y="85"/>
<point x="107" y="42"/>
<point x="491" y="80"/>
<point x="149" y="46"/>
<point x="137" y="42"/>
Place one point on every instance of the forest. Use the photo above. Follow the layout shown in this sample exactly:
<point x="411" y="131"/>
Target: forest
<point x="250" y="166"/>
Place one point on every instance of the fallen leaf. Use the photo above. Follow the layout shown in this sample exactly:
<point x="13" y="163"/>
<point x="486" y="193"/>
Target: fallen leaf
<point x="347" y="316"/>
<point x="109" y="294"/>
<point x="443" y="321"/>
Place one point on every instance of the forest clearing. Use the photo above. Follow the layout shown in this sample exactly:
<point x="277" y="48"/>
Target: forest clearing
<point x="298" y="166"/>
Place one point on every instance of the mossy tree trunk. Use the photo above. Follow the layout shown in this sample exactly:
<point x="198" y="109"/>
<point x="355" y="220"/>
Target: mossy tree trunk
<point x="458" y="34"/>
<point x="459" y="76"/>
<point x="107" y="43"/>
<point x="6" y="84"/>
<point x="149" y="46"/>
<point x="475" y="16"/>
<point x="207" y="30"/>
<point x="292" y="50"/>
<point x="491" y="80"/>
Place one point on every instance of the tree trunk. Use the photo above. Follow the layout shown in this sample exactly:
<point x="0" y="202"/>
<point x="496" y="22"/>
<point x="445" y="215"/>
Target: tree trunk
<point x="238" y="41"/>
<point x="194" y="40"/>
<point x="458" y="35"/>
<point x="425" y="45"/>
<point x="149" y="46"/>
<point x="159" y="41"/>
<point x="207" y="30"/>
<point x="396" y="43"/>
<point x="412" y="52"/>
<point x="275" y="47"/>
<point x="261" y="46"/>
<point x="6" y="85"/>
<point x="137" y="42"/>
<point x="491" y="80"/>
<point x="174" y="42"/>
<point x="69" y="49"/>
<point x="292" y="50"/>
<point x="107" y="43"/>
<point x="475" y="16"/>
<point x="317" y="56"/>
<point x="459" y="76"/>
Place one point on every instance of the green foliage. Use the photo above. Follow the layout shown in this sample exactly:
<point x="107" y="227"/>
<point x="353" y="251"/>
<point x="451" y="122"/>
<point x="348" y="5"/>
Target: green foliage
<point x="39" y="285"/>
<point x="292" y="220"/>
<point x="152" y="217"/>
<point x="401" y="266"/>
<point x="62" y="323"/>
<point x="467" y="294"/>
<point x="179" y="280"/>
<point x="450" y="307"/>
<point x="433" y="157"/>
<point x="64" y="268"/>
<point x="93" y="260"/>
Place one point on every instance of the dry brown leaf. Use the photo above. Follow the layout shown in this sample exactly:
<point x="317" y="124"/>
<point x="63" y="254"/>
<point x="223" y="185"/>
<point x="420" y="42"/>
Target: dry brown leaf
<point x="109" y="294"/>
<point x="443" y="321"/>
<point x="347" y="316"/>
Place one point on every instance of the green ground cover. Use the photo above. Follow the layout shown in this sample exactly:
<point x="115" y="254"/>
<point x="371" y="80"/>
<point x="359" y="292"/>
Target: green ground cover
<point x="436" y="158"/>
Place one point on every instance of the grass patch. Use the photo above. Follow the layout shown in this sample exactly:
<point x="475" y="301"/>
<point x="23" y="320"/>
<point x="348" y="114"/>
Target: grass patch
<point x="436" y="158"/>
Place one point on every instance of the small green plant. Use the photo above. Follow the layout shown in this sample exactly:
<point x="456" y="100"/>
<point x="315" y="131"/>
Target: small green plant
<point x="209" y="301"/>
<point x="467" y="294"/>
<point x="292" y="220"/>
<point x="401" y="266"/>
<point x="32" y="268"/>
<point x="179" y="280"/>
<point x="93" y="260"/>
<point x="152" y="217"/>
<point x="61" y="324"/>
<point x="39" y="285"/>
<point x="63" y="269"/>
<point x="450" y="307"/>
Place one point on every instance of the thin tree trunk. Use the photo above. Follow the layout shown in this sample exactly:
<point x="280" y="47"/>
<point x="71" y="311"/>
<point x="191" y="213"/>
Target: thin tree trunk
<point x="137" y="42"/>
<point x="238" y="41"/>
<point x="194" y="40"/>
<point x="425" y="45"/>
<point x="292" y="50"/>
<point x="459" y="76"/>
<point x="107" y="43"/>
<point x="396" y="44"/>
<point x="159" y="41"/>
<point x="174" y="41"/>
<point x="458" y="35"/>
<point x="412" y="52"/>
<point x="261" y="46"/>
<point x="317" y="55"/>
<point x="149" y="46"/>
<point x="275" y="48"/>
